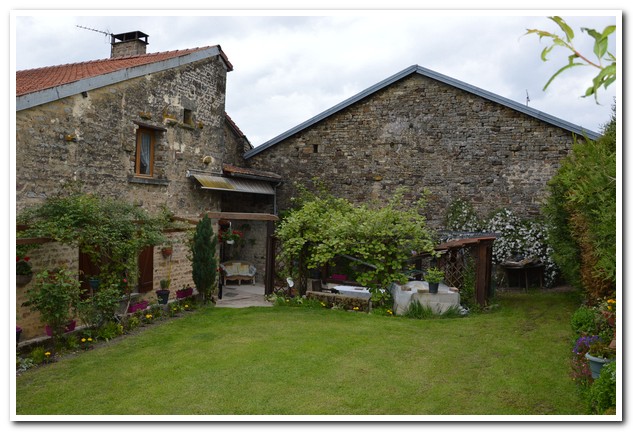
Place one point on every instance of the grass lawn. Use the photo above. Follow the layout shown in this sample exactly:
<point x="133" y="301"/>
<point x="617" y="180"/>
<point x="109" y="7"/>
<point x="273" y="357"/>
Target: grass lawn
<point x="282" y="361"/>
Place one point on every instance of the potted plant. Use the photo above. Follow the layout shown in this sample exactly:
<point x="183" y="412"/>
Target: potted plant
<point x="167" y="250"/>
<point x="599" y="354"/>
<point x="184" y="292"/>
<point x="434" y="276"/>
<point x="163" y="292"/>
<point x="55" y="296"/>
<point x="230" y="236"/>
<point x="94" y="283"/>
<point x="23" y="271"/>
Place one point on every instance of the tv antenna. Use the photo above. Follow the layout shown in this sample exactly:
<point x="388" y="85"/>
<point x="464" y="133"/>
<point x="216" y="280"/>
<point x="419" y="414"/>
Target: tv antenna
<point x="94" y="30"/>
<point x="527" y="98"/>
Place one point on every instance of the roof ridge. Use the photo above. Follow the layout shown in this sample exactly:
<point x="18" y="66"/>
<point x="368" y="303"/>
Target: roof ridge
<point x="445" y="79"/>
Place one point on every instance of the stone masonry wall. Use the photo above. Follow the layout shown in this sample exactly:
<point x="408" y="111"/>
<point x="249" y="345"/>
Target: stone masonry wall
<point x="91" y="140"/>
<point x="420" y="133"/>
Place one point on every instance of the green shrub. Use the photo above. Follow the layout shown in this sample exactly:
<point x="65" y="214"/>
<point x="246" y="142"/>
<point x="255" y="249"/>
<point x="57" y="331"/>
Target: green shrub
<point x="97" y="310"/>
<point x="38" y="355"/>
<point x="582" y="206"/>
<point x="602" y="394"/>
<point x="583" y="321"/>
<point x="110" y="330"/>
<point x="55" y="296"/>
<point x="203" y="260"/>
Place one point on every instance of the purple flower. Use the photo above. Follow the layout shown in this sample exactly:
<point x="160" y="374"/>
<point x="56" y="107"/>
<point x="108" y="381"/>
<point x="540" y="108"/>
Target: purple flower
<point x="584" y="342"/>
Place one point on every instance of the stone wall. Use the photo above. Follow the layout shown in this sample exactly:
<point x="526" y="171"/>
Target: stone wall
<point x="419" y="133"/>
<point x="90" y="140"/>
<point x="46" y="257"/>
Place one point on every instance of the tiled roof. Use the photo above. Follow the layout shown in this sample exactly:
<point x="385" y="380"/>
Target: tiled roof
<point x="34" y="80"/>
<point x="237" y="130"/>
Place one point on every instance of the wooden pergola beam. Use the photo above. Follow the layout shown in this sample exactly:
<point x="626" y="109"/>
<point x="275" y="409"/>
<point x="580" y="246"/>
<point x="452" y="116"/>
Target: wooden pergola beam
<point x="242" y="216"/>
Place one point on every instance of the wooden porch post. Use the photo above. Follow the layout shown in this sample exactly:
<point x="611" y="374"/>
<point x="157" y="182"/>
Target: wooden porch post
<point x="269" y="279"/>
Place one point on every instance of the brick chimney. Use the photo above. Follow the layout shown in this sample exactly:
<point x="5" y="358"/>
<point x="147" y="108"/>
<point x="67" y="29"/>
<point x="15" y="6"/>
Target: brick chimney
<point x="128" y="44"/>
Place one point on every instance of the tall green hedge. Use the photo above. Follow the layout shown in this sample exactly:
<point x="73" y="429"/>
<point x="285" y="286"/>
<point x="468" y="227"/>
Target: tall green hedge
<point x="582" y="207"/>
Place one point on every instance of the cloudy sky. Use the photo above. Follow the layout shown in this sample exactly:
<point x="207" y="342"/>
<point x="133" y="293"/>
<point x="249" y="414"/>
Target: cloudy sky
<point x="291" y="65"/>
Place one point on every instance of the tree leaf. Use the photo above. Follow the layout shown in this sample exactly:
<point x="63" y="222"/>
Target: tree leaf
<point x="569" y="33"/>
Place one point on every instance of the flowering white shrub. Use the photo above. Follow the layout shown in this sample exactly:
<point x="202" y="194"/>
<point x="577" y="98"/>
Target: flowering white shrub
<point x="516" y="238"/>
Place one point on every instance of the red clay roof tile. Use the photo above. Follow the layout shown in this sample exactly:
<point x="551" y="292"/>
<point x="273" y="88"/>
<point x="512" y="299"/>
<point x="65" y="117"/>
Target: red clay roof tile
<point x="33" y="80"/>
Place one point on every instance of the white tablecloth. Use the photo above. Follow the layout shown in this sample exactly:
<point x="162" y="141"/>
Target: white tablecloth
<point x="353" y="291"/>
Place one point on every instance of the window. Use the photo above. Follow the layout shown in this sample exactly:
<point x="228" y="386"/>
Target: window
<point x="187" y="117"/>
<point x="144" y="152"/>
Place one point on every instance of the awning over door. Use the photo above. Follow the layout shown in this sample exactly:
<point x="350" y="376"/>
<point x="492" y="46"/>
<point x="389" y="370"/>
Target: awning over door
<point x="217" y="182"/>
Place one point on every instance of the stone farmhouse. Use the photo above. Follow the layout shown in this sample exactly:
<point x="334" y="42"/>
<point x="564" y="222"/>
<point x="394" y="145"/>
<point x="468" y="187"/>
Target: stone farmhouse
<point x="147" y="128"/>
<point x="151" y="128"/>
<point x="420" y="129"/>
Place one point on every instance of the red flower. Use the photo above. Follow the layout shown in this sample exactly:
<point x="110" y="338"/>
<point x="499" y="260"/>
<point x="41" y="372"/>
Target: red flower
<point x="27" y="259"/>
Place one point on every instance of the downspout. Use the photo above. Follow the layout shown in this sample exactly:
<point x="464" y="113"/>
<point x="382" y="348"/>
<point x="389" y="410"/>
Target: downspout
<point x="275" y="198"/>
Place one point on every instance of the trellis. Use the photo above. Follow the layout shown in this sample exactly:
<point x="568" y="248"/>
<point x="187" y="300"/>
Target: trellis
<point x="458" y="255"/>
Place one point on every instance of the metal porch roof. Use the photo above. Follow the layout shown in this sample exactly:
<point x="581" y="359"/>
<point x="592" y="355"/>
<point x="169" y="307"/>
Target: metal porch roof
<point x="217" y="182"/>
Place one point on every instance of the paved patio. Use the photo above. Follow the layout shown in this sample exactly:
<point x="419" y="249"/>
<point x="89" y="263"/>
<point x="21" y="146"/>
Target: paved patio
<point x="240" y="296"/>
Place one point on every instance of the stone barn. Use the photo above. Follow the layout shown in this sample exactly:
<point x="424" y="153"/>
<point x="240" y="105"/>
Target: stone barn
<point x="423" y="130"/>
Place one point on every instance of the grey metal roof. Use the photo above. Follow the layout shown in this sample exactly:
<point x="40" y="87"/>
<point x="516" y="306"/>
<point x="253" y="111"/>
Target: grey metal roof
<point x="436" y="76"/>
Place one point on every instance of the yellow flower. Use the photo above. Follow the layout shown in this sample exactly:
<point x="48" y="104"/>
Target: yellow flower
<point x="389" y="311"/>
<point x="355" y="307"/>
<point x="89" y="339"/>
<point x="83" y="339"/>
<point x="148" y="316"/>
<point x="47" y="354"/>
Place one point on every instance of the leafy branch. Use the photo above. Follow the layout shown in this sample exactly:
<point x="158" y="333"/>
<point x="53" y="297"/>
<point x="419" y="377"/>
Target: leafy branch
<point x="605" y="61"/>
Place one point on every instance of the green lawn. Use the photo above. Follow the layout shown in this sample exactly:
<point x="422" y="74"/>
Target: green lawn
<point x="300" y="361"/>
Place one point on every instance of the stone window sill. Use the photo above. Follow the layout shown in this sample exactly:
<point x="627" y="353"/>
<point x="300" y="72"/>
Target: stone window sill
<point x="148" y="180"/>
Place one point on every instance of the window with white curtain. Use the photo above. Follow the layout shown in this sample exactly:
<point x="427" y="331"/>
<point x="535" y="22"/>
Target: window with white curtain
<point x="144" y="152"/>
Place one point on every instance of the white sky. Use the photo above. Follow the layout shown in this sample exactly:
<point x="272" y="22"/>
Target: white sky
<point x="291" y="65"/>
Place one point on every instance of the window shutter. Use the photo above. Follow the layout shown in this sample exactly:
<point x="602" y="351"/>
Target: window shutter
<point x="146" y="270"/>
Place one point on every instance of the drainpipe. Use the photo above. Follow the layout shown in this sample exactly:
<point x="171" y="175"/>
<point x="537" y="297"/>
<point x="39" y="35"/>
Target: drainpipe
<point x="275" y="197"/>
